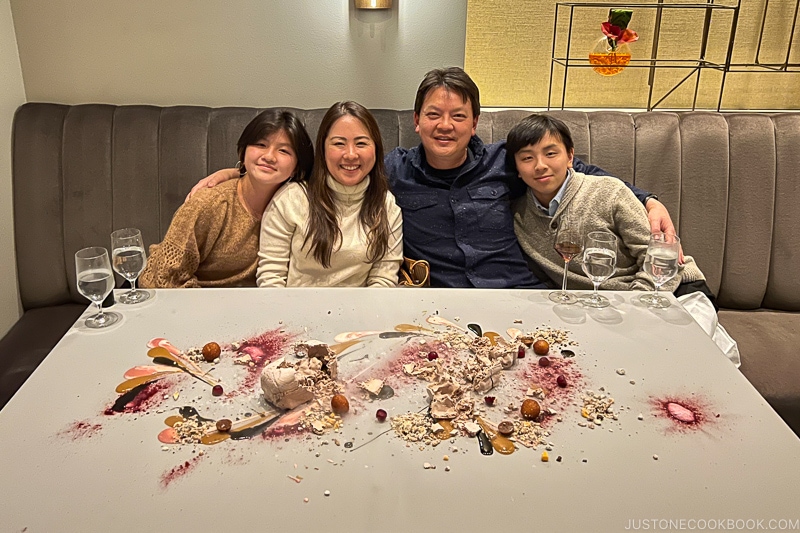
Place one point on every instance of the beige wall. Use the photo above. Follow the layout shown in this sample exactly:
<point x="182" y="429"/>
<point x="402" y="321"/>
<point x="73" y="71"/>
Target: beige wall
<point x="508" y="52"/>
<point x="303" y="53"/>
<point x="12" y="95"/>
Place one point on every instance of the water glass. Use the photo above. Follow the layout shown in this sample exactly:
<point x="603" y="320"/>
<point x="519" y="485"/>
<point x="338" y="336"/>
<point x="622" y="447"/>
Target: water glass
<point x="129" y="260"/>
<point x="599" y="264"/>
<point x="661" y="263"/>
<point x="95" y="282"/>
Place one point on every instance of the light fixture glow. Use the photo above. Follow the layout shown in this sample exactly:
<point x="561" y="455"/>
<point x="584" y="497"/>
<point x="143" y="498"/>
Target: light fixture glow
<point x="373" y="4"/>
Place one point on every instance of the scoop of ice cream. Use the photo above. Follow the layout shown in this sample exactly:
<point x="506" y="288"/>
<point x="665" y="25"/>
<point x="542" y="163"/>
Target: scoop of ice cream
<point x="284" y="383"/>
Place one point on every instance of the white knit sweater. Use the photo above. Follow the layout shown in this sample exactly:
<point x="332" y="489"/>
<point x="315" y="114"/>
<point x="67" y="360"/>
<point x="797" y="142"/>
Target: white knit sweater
<point x="282" y="261"/>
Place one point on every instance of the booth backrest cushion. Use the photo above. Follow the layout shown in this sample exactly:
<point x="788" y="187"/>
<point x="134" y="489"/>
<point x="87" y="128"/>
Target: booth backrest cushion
<point x="729" y="181"/>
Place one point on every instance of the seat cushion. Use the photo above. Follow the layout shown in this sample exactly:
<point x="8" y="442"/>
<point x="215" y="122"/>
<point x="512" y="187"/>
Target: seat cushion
<point x="768" y="343"/>
<point x="29" y="341"/>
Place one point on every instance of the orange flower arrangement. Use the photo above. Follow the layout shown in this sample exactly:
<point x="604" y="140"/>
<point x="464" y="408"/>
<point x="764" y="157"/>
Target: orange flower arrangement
<point x="616" y="29"/>
<point x="611" y="54"/>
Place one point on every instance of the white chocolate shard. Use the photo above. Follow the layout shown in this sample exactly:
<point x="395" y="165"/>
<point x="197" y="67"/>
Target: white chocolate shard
<point x="372" y="386"/>
<point x="471" y="428"/>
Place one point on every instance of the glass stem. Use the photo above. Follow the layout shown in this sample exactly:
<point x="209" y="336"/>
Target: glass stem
<point x="133" y="285"/>
<point x="595" y="295"/>
<point x="564" y="283"/>
<point x="100" y="316"/>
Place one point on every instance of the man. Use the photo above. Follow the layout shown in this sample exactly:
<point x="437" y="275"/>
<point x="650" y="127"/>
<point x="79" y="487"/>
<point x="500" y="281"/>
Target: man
<point x="455" y="191"/>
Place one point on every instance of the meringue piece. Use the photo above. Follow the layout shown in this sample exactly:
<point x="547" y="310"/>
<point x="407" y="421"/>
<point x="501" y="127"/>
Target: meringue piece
<point x="372" y="386"/>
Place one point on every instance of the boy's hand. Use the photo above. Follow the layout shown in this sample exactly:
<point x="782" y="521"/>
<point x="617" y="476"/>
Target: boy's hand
<point x="660" y="220"/>
<point x="216" y="178"/>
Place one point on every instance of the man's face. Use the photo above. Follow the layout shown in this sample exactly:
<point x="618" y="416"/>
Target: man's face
<point x="445" y="124"/>
<point x="543" y="167"/>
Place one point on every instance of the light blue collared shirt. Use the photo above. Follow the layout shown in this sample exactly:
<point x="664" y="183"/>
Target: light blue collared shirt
<point x="556" y="201"/>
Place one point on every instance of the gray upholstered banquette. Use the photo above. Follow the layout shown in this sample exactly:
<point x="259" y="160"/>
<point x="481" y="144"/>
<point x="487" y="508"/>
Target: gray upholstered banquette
<point x="729" y="181"/>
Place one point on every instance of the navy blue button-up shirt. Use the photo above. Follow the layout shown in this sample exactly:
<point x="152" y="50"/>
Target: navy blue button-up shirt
<point x="464" y="226"/>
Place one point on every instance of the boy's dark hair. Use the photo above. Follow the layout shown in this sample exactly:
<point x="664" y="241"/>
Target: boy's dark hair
<point x="532" y="129"/>
<point x="453" y="79"/>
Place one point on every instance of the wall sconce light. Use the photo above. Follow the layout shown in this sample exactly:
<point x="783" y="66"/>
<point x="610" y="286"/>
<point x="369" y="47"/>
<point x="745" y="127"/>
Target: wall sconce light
<point x="373" y="4"/>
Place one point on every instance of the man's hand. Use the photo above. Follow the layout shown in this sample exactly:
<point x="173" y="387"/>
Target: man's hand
<point x="221" y="176"/>
<point x="660" y="220"/>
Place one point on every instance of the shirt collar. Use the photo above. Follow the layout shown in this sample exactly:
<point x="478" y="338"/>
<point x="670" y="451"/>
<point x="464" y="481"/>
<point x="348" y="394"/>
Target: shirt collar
<point x="551" y="209"/>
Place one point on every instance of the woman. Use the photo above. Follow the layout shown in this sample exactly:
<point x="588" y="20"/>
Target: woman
<point x="342" y="228"/>
<point x="213" y="238"/>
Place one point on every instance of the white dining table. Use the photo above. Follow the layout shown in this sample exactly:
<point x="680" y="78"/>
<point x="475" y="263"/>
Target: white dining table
<point x="69" y="465"/>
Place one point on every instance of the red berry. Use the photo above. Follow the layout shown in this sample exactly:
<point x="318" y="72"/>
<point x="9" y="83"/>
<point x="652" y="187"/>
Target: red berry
<point x="544" y="361"/>
<point x="432" y="356"/>
<point x="489" y="400"/>
<point x="561" y="381"/>
<point x="216" y="390"/>
<point x="521" y="352"/>
<point x="380" y="415"/>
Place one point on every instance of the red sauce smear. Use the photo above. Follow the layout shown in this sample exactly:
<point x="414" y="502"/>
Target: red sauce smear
<point x="262" y="349"/>
<point x="80" y="429"/>
<point x="179" y="471"/>
<point x="150" y="397"/>
<point x="685" y="414"/>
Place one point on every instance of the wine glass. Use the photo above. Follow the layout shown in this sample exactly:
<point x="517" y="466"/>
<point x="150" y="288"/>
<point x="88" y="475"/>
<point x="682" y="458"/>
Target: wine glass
<point x="661" y="263"/>
<point x="568" y="244"/>
<point x="129" y="260"/>
<point x="599" y="263"/>
<point x="95" y="281"/>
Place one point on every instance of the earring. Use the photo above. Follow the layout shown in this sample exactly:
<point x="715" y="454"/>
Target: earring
<point x="240" y="168"/>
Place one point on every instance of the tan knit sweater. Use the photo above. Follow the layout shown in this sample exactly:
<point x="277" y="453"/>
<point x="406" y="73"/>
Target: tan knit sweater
<point x="283" y="261"/>
<point x="601" y="203"/>
<point x="211" y="242"/>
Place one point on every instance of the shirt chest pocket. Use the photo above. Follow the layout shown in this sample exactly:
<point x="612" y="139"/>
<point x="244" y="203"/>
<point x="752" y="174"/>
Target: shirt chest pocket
<point x="422" y="217"/>
<point x="492" y="206"/>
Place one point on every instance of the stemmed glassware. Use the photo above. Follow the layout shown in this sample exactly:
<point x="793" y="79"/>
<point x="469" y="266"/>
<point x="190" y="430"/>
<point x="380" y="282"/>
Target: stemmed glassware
<point x="661" y="263"/>
<point x="568" y="244"/>
<point x="129" y="260"/>
<point x="599" y="264"/>
<point x="95" y="281"/>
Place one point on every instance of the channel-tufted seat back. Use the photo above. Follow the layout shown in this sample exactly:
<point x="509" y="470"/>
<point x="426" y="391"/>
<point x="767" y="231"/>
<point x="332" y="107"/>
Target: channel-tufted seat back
<point x="729" y="181"/>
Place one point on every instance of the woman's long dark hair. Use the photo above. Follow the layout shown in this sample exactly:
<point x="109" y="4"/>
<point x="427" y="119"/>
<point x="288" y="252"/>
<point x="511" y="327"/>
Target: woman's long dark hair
<point x="324" y="233"/>
<point x="271" y="121"/>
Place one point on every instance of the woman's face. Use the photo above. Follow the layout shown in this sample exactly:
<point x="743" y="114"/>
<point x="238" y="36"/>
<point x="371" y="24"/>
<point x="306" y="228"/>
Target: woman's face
<point x="349" y="151"/>
<point x="272" y="160"/>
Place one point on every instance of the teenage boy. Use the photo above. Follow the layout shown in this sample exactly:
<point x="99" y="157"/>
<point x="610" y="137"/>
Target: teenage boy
<point x="455" y="191"/>
<point x="541" y="151"/>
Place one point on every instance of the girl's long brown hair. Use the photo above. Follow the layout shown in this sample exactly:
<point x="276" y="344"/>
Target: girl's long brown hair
<point x="324" y="233"/>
